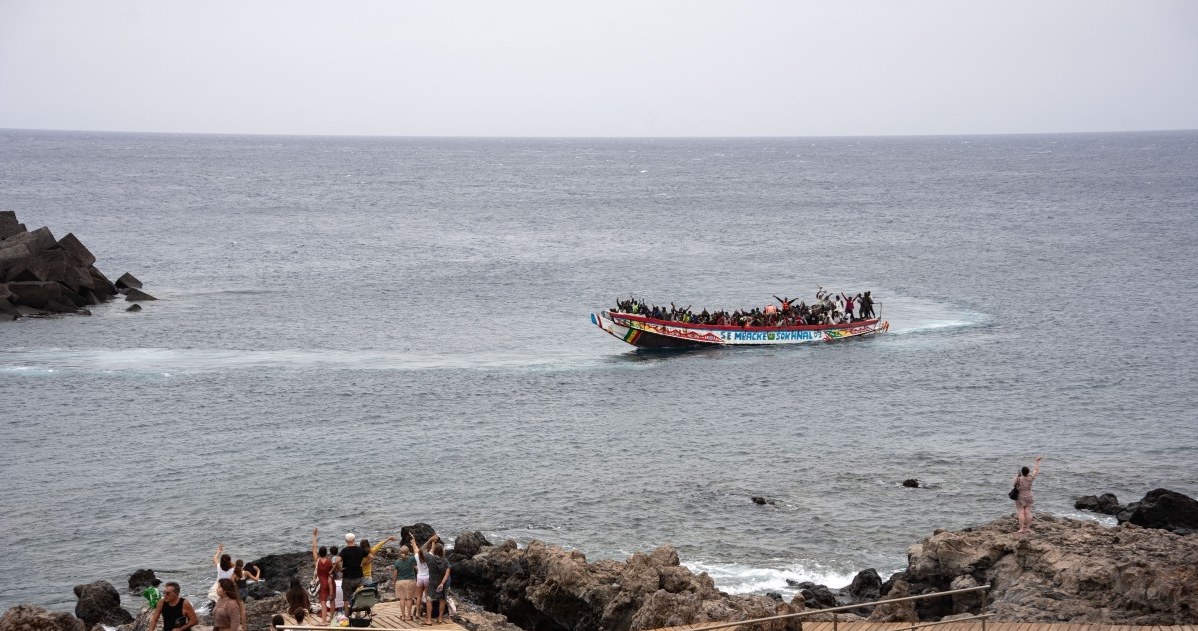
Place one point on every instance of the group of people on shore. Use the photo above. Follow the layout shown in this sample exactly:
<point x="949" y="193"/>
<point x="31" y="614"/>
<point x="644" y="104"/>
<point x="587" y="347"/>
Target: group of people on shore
<point x="828" y="308"/>
<point x="421" y="575"/>
<point x="228" y="595"/>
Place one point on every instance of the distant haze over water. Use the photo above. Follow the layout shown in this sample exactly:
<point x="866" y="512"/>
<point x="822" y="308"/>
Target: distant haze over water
<point x="362" y="333"/>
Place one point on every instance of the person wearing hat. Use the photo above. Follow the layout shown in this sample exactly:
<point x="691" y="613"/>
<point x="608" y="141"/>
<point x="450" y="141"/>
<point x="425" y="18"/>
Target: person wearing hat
<point x="351" y="568"/>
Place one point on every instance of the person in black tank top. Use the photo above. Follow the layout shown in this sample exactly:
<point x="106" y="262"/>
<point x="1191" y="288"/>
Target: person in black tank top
<point x="177" y="613"/>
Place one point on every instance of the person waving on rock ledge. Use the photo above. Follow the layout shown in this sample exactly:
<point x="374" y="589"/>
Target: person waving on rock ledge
<point x="1023" y="503"/>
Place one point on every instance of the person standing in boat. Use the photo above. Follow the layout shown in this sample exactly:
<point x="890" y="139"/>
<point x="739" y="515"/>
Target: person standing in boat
<point x="847" y="301"/>
<point x="867" y="306"/>
<point x="1023" y="504"/>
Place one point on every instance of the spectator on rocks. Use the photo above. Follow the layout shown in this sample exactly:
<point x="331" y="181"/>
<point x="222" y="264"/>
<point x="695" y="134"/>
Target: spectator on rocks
<point x="224" y="569"/>
<point x="438" y="579"/>
<point x="352" y="557"/>
<point x="326" y="589"/>
<point x="421" y="577"/>
<point x="277" y="622"/>
<point x="298" y="603"/>
<point x="368" y="562"/>
<point x="403" y="573"/>
<point x="242" y="577"/>
<point x="176" y="612"/>
<point x="1023" y="504"/>
<point x="229" y="612"/>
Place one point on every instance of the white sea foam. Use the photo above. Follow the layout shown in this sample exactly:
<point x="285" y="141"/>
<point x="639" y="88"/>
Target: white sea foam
<point x="735" y="578"/>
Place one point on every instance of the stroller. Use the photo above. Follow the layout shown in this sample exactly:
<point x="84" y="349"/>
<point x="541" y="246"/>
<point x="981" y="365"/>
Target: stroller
<point x="360" y="605"/>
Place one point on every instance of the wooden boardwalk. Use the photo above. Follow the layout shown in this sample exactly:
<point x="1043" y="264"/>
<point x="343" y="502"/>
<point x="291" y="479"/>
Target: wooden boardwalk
<point x="963" y="625"/>
<point x="386" y="616"/>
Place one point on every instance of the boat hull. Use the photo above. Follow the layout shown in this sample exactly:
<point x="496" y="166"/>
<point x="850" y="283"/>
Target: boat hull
<point x="650" y="333"/>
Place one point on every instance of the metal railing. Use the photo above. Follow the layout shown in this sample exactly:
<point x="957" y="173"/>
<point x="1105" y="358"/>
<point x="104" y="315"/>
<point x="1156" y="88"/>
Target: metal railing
<point x="835" y="610"/>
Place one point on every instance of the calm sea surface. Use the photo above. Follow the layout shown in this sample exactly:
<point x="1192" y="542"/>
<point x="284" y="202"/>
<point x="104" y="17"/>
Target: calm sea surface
<point x="361" y="333"/>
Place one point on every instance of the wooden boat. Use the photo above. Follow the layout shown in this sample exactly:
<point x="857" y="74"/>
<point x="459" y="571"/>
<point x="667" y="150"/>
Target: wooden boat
<point x="645" y="332"/>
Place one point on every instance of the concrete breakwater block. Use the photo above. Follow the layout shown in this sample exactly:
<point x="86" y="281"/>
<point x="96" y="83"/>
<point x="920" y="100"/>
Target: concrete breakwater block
<point x="137" y="294"/>
<point x="128" y="281"/>
<point x="41" y="275"/>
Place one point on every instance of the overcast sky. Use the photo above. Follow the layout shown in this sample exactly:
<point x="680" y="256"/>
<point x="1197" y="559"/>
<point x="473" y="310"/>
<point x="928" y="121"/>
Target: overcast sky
<point x="618" y="68"/>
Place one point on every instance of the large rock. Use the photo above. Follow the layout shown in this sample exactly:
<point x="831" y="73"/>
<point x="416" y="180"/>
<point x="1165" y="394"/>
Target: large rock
<point x="1165" y="509"/>
<point x="141" y="579"/>
<point x="545" y="587"/>
<point x="1066" y="569"/>
<point x="278" y="569"/>
<point x="420" y="530"/>
<point x="866" y="585"/>
<point x="99" y="603"/>
<point x="34" y="618"/>
<point x="896" y="612"/>
<point x="1106" y="503"/>
<point x="468" y="544"/>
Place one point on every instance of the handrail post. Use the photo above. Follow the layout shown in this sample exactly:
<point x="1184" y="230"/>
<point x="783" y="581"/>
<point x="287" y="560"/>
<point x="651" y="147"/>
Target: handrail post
<point x="983" y="609"/>
<point x="834" y="616"/>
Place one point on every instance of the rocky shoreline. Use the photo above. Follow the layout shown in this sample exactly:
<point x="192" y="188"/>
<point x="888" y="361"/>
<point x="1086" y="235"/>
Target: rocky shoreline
<point x="1068" y="570"/>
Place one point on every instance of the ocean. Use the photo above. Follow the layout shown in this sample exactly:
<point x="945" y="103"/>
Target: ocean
<point x="361" y="333"/>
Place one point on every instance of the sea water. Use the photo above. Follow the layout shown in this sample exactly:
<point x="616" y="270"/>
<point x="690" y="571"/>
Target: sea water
<point x="361" y="333"/>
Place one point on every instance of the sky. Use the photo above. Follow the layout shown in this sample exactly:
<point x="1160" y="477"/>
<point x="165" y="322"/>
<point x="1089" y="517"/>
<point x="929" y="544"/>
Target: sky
<point x="615" y="68"/>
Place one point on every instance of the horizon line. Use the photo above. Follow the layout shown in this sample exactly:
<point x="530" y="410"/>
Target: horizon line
<point x="614" y="137"/>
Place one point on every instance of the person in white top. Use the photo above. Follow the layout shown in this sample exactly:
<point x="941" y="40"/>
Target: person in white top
<point x="224" y="569"/>
<point x="421" y="577"/>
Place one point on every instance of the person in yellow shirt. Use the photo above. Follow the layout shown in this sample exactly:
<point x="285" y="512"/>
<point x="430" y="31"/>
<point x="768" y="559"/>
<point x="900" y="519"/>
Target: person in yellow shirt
<point x="368" y="562"/>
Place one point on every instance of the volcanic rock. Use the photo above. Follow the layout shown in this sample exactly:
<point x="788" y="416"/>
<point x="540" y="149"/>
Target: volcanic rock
<point x="911" y="483"/>
<point x="135" y="307"/>
<point x="140" y="580"/>
<point x="34" y="618"/>
<point x="545" y="587"/>
<point x="866" y="585"/>
<point x="815" y="596"/>
<point x="896" y="612"/>
<point x="1081" y="570"/>
<point x="1164" y="509"/>
<point x="99" y="603"/>
<point x="1106" y="503"/>
<point x="259" y="612"/>
<point x="278" y="569"/>
<point x="422" y="531"/>
<point x="761" y="501"/>
<point x="468" y="544"/>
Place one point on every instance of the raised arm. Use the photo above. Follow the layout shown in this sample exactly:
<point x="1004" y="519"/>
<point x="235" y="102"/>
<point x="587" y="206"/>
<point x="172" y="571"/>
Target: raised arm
<point x="374" y="549"/>
<point x="315" y="554"/>
<point x="416" y="549"/>
<point x="220" y="549"/>
<point x="1036" y="469"/>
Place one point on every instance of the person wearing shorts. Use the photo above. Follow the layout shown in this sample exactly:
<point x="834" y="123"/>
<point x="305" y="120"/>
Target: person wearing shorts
<point x="404" y="575"/>
<point x="421" y="576"/>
